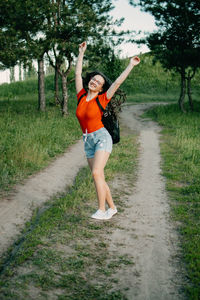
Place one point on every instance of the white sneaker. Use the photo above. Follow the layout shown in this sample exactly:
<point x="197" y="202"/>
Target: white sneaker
<point x="110" y="212"/>
<point x="99" y="215"/>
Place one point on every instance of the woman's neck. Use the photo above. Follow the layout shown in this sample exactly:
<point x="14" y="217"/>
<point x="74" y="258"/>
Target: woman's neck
<point x="91" y="95"/>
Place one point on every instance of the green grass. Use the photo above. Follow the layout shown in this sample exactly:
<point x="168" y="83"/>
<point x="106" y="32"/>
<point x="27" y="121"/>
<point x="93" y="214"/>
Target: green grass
<point x="162" y="97"/>
<point x="15" y="90"/>
<point x="31" y="139"/>
<point x="150" y="82"/>
<point x="62" y="251"/>
<point x="180" y="150"/>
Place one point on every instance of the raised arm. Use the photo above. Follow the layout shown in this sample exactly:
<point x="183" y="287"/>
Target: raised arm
<point x="79" y="64"/>
<point x="116" y="84"/>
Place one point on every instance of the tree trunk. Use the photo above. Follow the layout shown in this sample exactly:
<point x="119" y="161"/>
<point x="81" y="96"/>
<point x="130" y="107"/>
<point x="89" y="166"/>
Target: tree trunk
<point x="182" y="94"/>
<point x="65" y="95"/>
<point x="24" y="72"/>
<point x="12" y="74"/>
<point x="20" y="72"/>
<point x="56" y="87"/>
<point x="190" y="93"/>
<point x="41" y="91"/>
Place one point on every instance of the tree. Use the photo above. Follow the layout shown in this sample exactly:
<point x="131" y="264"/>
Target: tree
<point x="104" y="59"/>
<point x="54" y="27"/>
<point x="21" y="40"/>
<point x="12" y="74"/>
<point x="177" y="43"/>
<point x="70" y="23"/>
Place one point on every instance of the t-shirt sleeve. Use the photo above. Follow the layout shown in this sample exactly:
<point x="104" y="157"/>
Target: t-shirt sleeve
<point x="104" y="100"/>
<point x="83" y="91"/>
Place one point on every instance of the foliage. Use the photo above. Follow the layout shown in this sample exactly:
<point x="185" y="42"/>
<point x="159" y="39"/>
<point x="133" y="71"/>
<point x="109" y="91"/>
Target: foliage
<point x="55" y="28"/>
<point x="176" y="44"/>
<point x="20" y="22"/>
<point x="103" y="58"/>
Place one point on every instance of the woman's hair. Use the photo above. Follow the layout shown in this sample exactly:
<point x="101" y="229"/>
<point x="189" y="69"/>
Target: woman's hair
<point x="119" y="96"/>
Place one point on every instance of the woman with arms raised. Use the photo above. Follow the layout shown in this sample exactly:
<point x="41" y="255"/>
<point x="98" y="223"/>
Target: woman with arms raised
<point x="97" y="140"/>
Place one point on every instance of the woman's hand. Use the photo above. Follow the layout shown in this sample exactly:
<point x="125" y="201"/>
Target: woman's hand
<point x="134" y="61"/>
<point x="82" y="47"/>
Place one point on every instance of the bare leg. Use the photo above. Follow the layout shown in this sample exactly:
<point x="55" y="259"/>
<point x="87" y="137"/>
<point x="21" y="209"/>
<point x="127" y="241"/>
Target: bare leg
<point x="97" y="165"/>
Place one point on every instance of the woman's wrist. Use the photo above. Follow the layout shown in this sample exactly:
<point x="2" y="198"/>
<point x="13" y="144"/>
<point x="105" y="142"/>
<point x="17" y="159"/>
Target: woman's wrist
<point x="81" y="54"/>
<point x="130" y="66"/>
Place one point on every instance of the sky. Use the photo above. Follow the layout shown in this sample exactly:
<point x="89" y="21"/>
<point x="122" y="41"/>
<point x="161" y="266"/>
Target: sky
<point x="134" y="20"/>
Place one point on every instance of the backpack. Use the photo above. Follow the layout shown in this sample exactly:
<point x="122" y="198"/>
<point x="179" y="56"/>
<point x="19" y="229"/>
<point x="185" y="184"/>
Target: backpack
<point x="109" y="120"/>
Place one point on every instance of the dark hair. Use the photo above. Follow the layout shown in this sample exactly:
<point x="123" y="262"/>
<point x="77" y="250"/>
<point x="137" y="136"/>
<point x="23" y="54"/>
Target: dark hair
<point x="88" y="76"/>
<point x="115" y="104"/>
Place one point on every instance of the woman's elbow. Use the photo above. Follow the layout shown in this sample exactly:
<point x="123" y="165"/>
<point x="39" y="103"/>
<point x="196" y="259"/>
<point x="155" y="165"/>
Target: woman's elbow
<point x="117" y="84"/>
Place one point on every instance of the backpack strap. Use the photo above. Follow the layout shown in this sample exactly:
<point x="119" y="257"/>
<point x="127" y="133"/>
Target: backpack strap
<point x="80" y="98"/>
<point x="100" y="106"/>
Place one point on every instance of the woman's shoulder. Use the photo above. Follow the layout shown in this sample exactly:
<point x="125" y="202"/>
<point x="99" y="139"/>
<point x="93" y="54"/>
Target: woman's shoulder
<point x="81" y="93"/>
<point x="104" y="97"/>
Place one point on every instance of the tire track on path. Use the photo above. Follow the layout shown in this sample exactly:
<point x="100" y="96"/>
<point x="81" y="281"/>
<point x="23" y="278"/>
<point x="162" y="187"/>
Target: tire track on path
<point x="144" y="227"/>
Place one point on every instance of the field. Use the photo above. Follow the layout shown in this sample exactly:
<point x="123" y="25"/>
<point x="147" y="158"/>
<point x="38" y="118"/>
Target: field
<point x="31" y="139"/>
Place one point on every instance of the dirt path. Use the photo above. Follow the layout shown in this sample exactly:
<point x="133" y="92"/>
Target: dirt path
<point x="143" y="231"/>
<point x="144" y="227"/>
<point x="37" y="189"/>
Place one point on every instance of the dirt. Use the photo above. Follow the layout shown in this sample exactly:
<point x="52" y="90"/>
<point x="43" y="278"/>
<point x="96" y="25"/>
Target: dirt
<point x="17" y="209"/>
<point x="144" y="231"/>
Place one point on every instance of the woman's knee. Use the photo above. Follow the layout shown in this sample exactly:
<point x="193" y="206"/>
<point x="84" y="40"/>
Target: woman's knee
<point x="97" y="173"/>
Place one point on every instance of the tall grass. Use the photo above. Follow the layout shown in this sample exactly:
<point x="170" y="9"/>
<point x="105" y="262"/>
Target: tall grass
<point x="181" y="165"/>
<point x="150" y="82"/>
<point x="15" y="90"/>
<point x="30" y="139"/>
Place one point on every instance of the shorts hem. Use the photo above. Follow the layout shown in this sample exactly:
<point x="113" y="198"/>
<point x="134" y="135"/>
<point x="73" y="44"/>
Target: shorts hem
<point x="99" y="150"/>
<point x="89" y="156"/>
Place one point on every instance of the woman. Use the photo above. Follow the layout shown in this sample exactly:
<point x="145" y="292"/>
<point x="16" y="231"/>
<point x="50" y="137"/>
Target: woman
<point x="97" y="140"/>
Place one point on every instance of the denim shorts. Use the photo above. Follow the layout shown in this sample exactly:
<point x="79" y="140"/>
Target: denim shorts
<point x="97" y="140"/>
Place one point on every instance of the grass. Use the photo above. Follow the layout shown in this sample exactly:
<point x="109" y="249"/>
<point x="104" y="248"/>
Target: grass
<point x="144" y="98"/>
<point x="61" y="252"/>
<point x="180" y="150"/>
<point x="150" y="82"/>
<point x="31" y="139"/>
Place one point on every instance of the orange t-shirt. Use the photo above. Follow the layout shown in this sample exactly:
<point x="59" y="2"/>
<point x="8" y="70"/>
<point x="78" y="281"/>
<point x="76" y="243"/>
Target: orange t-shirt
<point x="88" y="112"/>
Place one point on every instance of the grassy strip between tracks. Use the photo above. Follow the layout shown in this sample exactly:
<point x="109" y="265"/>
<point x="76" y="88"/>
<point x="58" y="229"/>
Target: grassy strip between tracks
<point x="62" y="253"/>
<point x="180" y="148"/>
